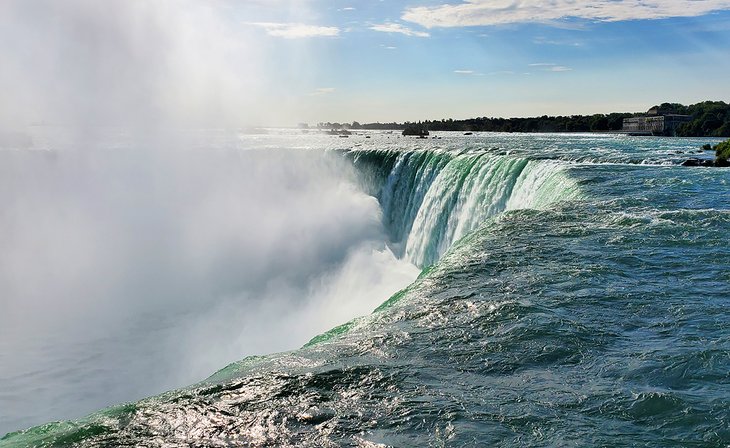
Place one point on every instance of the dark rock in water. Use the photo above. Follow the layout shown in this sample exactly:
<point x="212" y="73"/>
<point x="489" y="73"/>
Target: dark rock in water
<point x="699" y="162"/>
<point x="468" y="133"/>
<point x="339" y="132"/>
<point x="722" y="162"/>
<point x="417" y="130"/>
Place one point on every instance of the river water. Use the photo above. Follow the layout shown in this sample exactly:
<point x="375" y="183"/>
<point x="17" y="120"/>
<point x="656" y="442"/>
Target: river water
<point x="573" y="291"/>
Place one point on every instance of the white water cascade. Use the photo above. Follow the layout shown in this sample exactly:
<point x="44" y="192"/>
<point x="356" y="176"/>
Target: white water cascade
<point x="432" y="199"/>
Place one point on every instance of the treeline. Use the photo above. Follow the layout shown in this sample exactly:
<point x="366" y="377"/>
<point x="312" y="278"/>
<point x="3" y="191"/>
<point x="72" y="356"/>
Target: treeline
<point x="573" y="123"/>
<point x="709" y="119"/>
<point x="393" y="126"/>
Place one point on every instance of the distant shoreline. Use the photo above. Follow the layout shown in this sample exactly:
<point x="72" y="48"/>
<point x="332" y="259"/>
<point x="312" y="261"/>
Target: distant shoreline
<point x="709" y="119"/>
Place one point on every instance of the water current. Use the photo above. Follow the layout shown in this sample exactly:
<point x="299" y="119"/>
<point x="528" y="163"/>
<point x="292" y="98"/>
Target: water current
<point x="573" y="291"/>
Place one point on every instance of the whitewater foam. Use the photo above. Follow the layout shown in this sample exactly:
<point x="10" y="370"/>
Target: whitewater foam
<point x="431" y="199"/>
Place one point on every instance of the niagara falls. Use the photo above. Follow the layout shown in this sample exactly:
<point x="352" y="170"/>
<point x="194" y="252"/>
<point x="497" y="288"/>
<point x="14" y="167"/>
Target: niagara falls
<point x="372" y="224"/>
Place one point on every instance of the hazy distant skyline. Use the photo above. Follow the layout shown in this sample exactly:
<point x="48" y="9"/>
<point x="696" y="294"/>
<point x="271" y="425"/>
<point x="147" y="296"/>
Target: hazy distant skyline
<point x="279" y="62"/>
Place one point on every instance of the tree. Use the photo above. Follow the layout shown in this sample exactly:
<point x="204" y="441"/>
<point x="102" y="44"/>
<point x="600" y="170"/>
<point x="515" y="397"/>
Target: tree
<point x="599" y="122"/>
<point x="722" y="153"/>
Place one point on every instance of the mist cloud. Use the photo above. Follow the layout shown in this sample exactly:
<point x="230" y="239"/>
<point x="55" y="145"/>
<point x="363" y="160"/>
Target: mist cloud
<point x="132" y="63"/>
<point x="141" y="249"/>
<point x="127" y="271"/>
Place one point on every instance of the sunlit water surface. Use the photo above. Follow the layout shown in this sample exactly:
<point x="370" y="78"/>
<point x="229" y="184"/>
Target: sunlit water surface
<point x="574" y="292"/>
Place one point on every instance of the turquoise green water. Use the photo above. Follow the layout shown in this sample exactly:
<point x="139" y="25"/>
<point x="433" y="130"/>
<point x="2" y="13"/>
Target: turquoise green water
<point x="576" y="294"/>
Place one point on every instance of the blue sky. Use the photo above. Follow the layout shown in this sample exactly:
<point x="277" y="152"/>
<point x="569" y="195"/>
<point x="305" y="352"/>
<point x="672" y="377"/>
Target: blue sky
<point x="407" y="60"/>
<point x="280" y="62"/>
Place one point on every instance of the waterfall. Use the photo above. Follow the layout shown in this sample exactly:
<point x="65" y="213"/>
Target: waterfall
<point x="431" y="199"/>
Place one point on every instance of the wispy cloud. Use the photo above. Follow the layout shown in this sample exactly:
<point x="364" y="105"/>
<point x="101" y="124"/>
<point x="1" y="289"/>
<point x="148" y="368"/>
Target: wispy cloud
<point x="323" y="91"/>
<point x="464" y="72"/>
<point x="495" y="12"/>
<point x="398" y="28"/>
<point x="546" y="41"/>
<point x="297" y="30"/>
<point x="550" y="67"/>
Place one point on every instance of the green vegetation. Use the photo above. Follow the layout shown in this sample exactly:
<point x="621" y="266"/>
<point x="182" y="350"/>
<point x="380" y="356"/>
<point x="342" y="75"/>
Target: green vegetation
<point x="722" y="156"/>
<point x="709" y="119"/>
<point x="722" y="153"/>
<point x="574" y="123"/>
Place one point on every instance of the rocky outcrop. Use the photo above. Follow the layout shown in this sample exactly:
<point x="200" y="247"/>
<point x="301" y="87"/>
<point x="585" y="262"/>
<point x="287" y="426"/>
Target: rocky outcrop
<point x="722" y="156"/>
<point x="698" y="162"/>
<point x="706" y="162"/>
<point x="416" y="130"/>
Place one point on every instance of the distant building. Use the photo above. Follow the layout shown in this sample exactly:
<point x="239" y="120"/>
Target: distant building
<point x="655" y="124"/>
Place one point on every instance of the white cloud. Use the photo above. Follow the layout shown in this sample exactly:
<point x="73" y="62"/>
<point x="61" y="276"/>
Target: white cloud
<point x="546" y="41"/>
<point x="551" y="67"/>
<point x="323" y="91"/>
<point x="495" y="12"/>
<point x="464" y="72"/>
<point x="398" y="28"/>
<point x="297" y="30"/>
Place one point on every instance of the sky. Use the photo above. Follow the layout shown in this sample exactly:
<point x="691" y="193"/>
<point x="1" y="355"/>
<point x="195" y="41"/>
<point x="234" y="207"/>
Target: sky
<point x="280" y="62"/>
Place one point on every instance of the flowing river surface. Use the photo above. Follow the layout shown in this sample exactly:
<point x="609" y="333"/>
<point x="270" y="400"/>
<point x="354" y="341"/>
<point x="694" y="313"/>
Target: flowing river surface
<point x="573" y="291"/>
